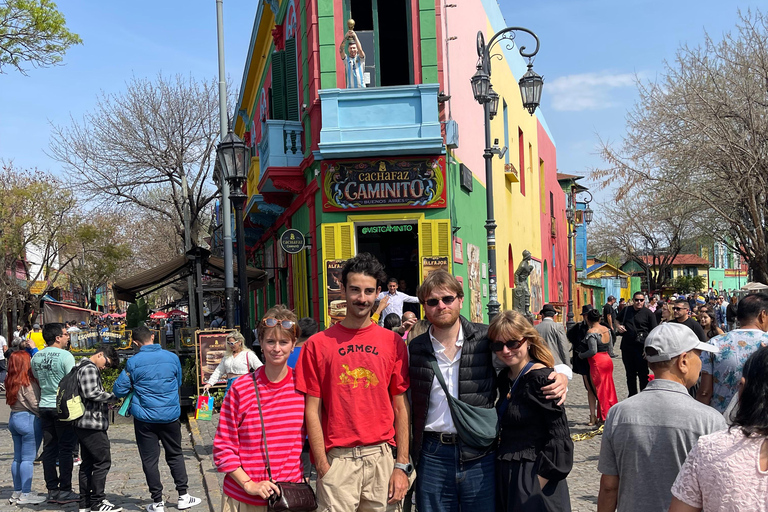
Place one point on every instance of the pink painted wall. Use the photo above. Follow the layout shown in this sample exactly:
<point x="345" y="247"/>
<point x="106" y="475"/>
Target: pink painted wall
<point x="548" y="154"/>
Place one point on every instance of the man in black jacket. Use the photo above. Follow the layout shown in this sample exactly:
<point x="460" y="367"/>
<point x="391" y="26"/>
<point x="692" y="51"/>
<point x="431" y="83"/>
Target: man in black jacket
<point x="634" y="324"/>
<point x="450" y="474"/>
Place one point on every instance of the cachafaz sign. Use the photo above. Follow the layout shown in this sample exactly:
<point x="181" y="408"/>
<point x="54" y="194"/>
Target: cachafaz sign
<point x="384" y="184"/>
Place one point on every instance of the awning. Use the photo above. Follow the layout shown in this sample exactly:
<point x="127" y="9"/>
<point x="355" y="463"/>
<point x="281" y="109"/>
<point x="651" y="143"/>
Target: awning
<point x="179" y="268"/>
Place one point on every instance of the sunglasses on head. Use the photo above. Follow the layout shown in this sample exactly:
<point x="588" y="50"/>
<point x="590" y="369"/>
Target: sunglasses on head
<point x="447" y="300"/>
<point x="274" y="322"/>
<point x="498" y="346"/>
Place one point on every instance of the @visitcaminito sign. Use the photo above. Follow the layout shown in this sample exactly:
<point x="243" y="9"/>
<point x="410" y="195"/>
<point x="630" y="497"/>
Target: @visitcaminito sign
<point x="384" y="184"/>
<point x="292" y="241"/>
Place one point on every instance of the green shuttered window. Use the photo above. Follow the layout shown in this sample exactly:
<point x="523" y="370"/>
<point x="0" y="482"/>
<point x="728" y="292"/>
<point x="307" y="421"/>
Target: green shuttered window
<point x="285" y="83"/>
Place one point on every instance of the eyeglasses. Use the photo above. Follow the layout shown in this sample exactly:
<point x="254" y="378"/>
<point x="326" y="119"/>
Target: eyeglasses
<point x="447" y="300"/>
<point x="679" y="309"/>
<point x="274" y="322"/>
<point x="232" y="343"/>
<point x="639" y="300"/>
<point x="498" y="346"/>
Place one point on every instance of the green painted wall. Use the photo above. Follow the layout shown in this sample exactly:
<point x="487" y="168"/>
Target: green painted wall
<point x="328" y="55"/>
<point x="428" y="33"/>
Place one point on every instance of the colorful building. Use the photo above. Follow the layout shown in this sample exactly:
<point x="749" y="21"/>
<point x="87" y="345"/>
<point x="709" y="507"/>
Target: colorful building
<point x="395" y="168"/>
<point x="729" y="271"/>
<point x="682" y="265"/>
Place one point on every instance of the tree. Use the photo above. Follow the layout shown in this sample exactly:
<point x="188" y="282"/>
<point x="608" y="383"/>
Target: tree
<point x="700" y="135"/>
<point x="688" y="284"/>
<point x="649" y="229"/>
<point x="33" y="32"/>
<point x="138" y="147"/>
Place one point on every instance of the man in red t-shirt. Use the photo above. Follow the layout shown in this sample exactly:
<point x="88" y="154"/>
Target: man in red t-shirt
<point x="354" y="376"/>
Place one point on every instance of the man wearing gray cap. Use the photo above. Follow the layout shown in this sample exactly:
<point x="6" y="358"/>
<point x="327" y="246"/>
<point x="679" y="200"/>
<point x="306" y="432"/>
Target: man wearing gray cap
<point x="648" y="436"/>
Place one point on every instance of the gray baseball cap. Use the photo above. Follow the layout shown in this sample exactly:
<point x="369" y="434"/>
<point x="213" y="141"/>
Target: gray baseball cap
<point x="671" y="339"/>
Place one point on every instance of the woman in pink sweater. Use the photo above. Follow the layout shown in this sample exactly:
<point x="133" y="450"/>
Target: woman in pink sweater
<point x="238" y="446"/>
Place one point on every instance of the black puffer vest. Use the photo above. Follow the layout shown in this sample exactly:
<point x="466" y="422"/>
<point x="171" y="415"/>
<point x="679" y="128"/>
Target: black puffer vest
<point x="477" y="381"/>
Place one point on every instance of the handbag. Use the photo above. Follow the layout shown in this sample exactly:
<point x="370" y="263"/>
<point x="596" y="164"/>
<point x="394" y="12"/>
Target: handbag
<point x="477" y="427"/>
<point x="125" y="408"/>
<point x="292" y="496"/>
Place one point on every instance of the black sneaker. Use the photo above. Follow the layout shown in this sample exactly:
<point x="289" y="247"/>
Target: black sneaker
<point x="105" y="506"/>
<point x="53" y="496"/>
<point x="68" y="497"/>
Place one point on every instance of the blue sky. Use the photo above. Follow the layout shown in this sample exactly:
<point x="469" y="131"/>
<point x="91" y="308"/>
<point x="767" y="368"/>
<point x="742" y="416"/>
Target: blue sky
<point x="591" y="51"/>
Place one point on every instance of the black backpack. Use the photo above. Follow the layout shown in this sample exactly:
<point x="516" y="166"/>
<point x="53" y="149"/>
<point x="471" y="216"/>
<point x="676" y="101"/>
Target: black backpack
<point x="69" y="403"/>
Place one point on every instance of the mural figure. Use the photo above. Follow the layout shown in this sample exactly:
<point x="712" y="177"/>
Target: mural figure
<point x="354" y="63"/>
<point x="522" y="290"/>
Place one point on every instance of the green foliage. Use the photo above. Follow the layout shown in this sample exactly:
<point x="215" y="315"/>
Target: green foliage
<point x="688" y="284"/>
<point x="33" y="32"/>
<point x="137" y="314"/>
<point x="188" y="372"/>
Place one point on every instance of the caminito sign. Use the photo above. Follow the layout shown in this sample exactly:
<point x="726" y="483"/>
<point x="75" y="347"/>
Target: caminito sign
<point x="384" y="184"/>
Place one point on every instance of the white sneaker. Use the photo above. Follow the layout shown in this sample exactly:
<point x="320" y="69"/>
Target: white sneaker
<point x="84" y="510"/>
<point x="156" y="507"/>
<point x="14" y="497"/>
<point x="105" y="506"/>
<point x="27" y="498"/>
<point x="187" y="501"/>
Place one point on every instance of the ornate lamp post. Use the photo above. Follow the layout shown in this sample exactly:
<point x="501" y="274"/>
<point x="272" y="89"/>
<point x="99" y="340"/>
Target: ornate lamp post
<point x="570" y="215"/>
<point x="233" y="158"/>
<point x="530" y="90"/>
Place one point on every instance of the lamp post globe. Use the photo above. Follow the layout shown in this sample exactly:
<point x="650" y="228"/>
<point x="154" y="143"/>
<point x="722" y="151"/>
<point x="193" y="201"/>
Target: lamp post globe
<point x="493" y="103"/>
<point x="531" y="85"/>
<point x="232" y="156"/>
<point x="588" y="214"/>
<point x="481" y="85"/>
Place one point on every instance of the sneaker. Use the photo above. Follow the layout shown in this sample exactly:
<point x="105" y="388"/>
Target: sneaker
<point x="14" y="497"/>
<point x="27" y="498"/>
<point x="67" y="497"/>
<point x="84" y="509"/>
<point x="105" y="506"/>
<point x="156" y="507"/>
<point x="77" y="461"/>
<point x="53" y="496"/>
<point x="187" y="501"/>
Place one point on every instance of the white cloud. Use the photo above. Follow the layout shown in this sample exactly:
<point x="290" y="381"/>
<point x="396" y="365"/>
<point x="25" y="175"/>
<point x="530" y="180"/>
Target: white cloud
<point x="586" y="91"/>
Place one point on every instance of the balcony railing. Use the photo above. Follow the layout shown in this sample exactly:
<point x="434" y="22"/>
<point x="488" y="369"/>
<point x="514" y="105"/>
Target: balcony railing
<point x="281" y="145"/>
<point x="379" y="121"/>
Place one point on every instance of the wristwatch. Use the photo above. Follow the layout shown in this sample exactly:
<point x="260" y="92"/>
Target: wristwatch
<point x="406" y="468"/>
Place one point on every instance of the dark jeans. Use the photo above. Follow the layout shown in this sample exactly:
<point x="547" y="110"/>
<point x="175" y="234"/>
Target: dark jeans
<point x="59" y="442"/>
<point x="445" y="484"/>
<point x="147" y="437"/>
<point x="635" y="364"/>
<point x="94" y="448"/>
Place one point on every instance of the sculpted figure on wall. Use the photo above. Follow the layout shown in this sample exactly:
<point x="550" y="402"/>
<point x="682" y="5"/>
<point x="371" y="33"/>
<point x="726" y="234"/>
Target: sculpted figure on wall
<point x="522" y="289"/>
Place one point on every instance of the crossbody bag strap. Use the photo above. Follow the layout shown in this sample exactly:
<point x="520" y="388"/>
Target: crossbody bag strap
<point x="263" y="430"/>
<point x="505" y="404"/>
<point x="439" y="376"/>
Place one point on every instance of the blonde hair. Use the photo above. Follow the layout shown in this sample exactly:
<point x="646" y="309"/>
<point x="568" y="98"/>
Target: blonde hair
<point x="511" y="325"/>
<point x="279" y="312"/>
<point x="235" y="335"/>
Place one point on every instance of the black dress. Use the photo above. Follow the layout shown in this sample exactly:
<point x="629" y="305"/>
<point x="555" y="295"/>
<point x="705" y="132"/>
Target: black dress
<point x="535" y="440"/>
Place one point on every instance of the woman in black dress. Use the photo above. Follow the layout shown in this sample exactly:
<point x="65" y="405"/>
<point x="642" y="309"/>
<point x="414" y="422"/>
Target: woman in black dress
<point x="535" y="451"/>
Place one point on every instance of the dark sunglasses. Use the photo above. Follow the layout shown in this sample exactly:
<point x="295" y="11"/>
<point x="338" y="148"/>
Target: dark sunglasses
<point x="679" y="309"/>
<point x="274" y="322"/>
<point x="498" y="346"/>
<point x="639" y="300"/>
<point x="447" y="300"/>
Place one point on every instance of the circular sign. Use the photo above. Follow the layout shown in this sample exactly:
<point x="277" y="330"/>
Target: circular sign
<point x="292" y="241"/>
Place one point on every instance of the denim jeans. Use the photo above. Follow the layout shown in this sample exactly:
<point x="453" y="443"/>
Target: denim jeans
<point x="446" y="484"/>
<point x="27" y="434"/>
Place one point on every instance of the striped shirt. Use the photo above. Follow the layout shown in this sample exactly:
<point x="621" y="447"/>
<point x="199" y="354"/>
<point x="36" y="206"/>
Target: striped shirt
<point x="353" y="72"/>
<point x="238" y="440"/>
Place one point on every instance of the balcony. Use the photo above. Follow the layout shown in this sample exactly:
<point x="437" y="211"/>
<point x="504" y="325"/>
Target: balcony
<point x="280" y="156"/>
<point x="380" y="121"/>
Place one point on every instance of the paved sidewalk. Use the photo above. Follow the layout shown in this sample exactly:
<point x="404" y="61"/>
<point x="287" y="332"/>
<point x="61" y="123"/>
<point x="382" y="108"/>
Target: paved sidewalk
<point x="126" y="485"/>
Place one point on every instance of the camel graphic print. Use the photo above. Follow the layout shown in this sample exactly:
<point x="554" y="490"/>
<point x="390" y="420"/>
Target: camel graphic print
<point x="353" y="377"/>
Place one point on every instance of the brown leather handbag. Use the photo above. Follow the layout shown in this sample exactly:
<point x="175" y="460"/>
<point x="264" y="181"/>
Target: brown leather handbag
<point x="293" y="496"/>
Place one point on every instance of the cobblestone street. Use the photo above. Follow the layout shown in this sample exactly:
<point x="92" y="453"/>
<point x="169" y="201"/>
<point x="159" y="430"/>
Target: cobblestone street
<point x="126" y="485"/>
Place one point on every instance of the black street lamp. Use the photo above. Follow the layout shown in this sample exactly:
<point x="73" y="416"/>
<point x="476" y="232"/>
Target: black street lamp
<point x="570" y="215"/>
<point x="233" y="160"/>
<point x="530" y="91"/>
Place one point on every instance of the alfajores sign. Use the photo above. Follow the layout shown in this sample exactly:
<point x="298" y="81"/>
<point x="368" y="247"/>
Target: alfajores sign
<point x="384" y="184"/>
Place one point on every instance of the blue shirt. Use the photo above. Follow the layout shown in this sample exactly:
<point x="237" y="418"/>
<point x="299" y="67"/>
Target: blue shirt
<point x="294" y="357"/>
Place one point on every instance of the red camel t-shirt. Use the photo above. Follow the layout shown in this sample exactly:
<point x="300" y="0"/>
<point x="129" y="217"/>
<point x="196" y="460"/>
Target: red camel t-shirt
<point x="355" y="373"/>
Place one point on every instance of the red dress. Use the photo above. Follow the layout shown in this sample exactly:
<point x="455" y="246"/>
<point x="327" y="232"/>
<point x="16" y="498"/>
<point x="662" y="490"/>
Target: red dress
<point x="601" y="372"/>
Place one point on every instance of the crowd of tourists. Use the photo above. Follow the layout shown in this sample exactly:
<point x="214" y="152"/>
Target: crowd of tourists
<point x="437" y="414"/>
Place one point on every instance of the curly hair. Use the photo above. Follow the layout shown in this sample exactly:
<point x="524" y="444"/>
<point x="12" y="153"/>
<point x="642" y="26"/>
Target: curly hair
<point x="511" y="325"/>
<point x="364" y="263"/>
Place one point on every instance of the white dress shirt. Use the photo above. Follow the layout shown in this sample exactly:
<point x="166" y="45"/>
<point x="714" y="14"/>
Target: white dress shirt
<point x="439" y="413"/>
<point x="395" y="304"/>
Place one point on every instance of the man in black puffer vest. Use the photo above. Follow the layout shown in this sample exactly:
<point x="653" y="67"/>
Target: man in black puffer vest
<point x="450" y="474"/>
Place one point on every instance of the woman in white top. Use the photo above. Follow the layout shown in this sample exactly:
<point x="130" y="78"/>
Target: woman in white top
<point x="728" y="471"/>
<point x="238" y="360"/>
